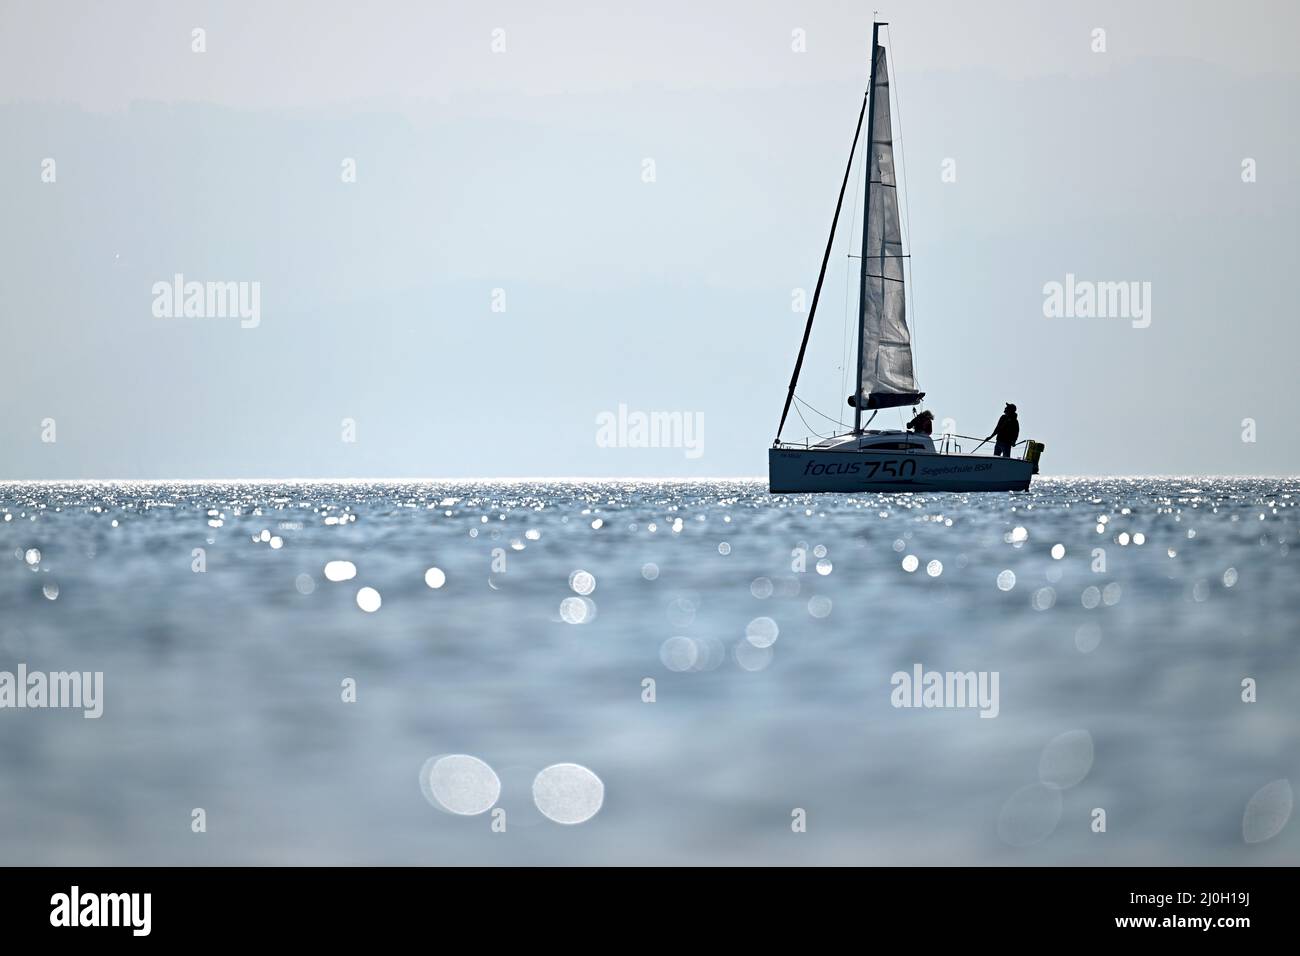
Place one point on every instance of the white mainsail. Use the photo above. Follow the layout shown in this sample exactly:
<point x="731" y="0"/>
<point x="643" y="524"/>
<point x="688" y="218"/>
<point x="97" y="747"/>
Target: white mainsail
<point x="886" y="344"/>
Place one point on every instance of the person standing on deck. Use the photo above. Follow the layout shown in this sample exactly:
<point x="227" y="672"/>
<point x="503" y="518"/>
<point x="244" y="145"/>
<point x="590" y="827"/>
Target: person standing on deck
<point x="1007" y="431"/>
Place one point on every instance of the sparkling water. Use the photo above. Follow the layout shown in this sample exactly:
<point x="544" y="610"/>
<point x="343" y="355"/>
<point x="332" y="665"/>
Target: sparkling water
<point x="651" y="672"/>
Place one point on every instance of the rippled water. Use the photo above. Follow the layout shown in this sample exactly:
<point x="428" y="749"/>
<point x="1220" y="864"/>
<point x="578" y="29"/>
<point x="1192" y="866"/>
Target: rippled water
<point x="518" y="624"/>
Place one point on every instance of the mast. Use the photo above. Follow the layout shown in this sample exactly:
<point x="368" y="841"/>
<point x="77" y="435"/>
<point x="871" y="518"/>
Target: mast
<point x="866" y="220"/>
<point x="821" y="276"/>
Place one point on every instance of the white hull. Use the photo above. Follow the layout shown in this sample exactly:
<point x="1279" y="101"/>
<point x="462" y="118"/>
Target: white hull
<point x="800" y="470"/>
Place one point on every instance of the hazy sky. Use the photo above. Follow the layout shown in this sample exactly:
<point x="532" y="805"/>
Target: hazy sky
<point x="523" y="170"/>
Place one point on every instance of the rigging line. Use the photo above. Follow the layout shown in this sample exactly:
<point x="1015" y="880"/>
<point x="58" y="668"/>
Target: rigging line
<point x="806" y="425"/>
<point x="907" y="211"/>
<point x="830" y="241"/>
<point x="811" y="409"/>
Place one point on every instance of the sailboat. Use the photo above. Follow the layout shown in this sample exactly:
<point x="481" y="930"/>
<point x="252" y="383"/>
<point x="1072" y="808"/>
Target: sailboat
<point x="883" y="459"/>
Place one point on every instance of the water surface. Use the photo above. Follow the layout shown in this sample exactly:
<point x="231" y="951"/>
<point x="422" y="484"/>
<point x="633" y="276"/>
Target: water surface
<point x="1121" y="616"/>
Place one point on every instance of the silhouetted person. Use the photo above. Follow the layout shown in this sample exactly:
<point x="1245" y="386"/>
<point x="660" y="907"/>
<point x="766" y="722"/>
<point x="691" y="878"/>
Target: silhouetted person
<point x="922" y="424"/>
<point x="1007" y="431"/>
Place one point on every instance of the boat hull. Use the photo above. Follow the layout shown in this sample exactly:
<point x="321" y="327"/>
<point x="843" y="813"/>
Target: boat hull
<point x="800" y="470"/>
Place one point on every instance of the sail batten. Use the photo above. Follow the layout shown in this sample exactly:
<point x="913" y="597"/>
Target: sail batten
<point x="886" y="376"/>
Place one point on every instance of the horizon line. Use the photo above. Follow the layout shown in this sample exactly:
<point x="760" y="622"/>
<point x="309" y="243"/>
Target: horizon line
<point x="565" y="478"/>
